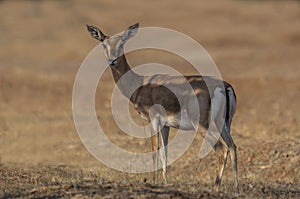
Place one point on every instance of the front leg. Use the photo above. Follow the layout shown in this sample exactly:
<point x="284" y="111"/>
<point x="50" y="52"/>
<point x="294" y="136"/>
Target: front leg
<point x="155" y="145"/>
<point x="164" y="152"/>
<point x="154" y="154"/>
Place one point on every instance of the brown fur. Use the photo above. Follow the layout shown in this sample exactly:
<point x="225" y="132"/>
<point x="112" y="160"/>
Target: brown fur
<point x="155" y="90"/>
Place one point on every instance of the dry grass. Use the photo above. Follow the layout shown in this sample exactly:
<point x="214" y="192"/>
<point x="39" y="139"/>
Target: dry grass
<point x="255" y="45"/>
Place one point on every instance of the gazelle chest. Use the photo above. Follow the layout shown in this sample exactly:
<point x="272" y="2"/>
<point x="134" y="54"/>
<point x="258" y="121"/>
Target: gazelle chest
<point x="142" y="112"/>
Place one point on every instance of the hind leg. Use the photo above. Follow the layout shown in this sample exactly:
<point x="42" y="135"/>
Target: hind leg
<point x="233" y="157"/>
<point x="223" y="152"/>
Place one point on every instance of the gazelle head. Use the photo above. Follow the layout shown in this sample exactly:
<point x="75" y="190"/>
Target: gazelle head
<point x="113" y="45"/>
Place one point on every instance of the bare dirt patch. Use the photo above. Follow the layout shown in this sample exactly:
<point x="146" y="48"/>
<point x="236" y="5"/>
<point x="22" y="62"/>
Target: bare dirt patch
<point x="254" y="43"/>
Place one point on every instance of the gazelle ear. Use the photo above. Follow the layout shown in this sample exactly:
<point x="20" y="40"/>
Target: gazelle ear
<point x="96" y="33"/>
<point x="131" y="31"/>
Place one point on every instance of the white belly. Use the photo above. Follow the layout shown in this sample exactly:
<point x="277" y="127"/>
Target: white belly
<point x="180" y="121"/>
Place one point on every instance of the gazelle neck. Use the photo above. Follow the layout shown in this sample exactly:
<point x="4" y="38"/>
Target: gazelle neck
<point x="128" y="83"/>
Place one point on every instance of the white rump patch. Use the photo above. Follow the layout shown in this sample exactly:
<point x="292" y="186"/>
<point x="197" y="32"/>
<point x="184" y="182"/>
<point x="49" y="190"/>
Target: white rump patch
<point x="232" y="101"/>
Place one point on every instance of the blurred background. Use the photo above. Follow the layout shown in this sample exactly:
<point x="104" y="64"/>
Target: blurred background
<point x="255" y="44"/>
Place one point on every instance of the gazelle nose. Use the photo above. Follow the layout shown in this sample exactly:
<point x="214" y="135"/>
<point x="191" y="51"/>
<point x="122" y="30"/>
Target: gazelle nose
<point x="112" y="62"/>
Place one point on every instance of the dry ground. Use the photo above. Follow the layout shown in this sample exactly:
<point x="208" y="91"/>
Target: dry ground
<point x="254" y="43"/>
